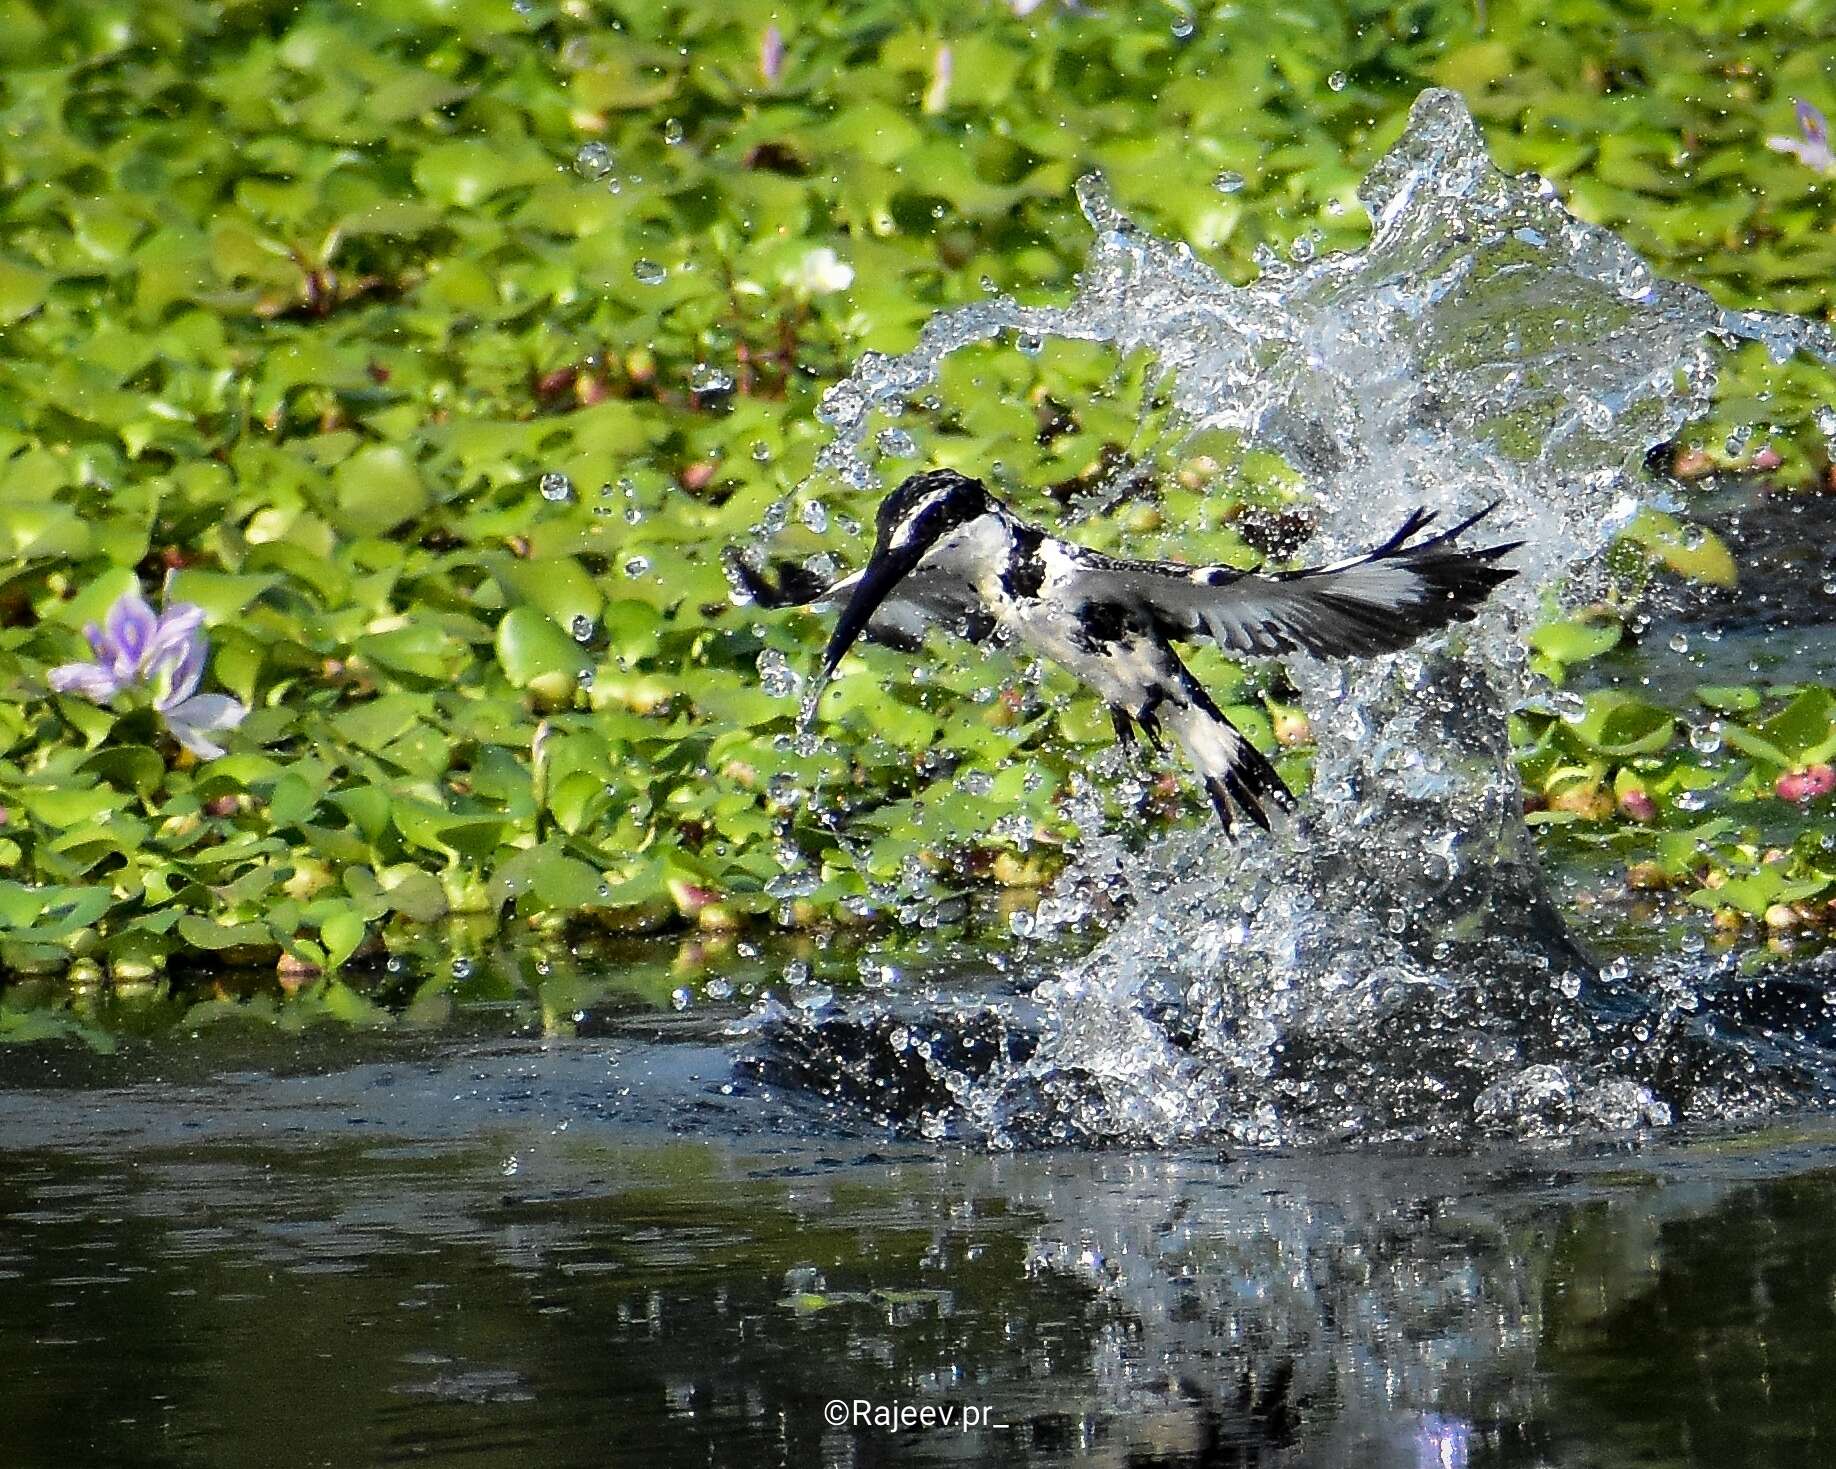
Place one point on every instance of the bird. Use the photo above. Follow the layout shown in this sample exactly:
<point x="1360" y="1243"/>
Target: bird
<point x="948" y="553"/>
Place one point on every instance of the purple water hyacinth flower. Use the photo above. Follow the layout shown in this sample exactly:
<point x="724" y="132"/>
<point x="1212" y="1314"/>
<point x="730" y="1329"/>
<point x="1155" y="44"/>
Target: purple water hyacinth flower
<point x="1441" y="1443"/>
<point x="1812" y="148"/>
<point x="771" y="55"/>
<point x="161" y="652"/>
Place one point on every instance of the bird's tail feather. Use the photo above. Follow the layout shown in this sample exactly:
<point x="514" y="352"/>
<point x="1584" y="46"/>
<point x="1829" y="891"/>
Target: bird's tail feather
<point x="1236" y="775"/>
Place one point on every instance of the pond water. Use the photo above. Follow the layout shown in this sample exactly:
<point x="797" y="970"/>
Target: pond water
<point x="599" y="1251"/>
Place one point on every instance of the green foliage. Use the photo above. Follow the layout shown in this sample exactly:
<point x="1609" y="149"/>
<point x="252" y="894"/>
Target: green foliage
<point x="302" y="303"/>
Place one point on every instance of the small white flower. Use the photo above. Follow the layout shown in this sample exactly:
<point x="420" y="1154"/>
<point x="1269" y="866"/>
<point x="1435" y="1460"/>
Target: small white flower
<point x="820" y="273"/>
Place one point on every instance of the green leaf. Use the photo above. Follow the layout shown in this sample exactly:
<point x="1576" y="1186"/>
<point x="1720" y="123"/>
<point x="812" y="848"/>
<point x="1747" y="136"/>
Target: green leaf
<point x="1695" y="552"/>
<point x="531" y="646"/>
<point x="1571" y="641"/>
<point x="341" y="932"/>
<point x="546" y="877"/>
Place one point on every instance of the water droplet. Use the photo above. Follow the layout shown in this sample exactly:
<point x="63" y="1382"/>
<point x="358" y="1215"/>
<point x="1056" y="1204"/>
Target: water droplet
<point x="1184" y="27"/>
<point x="1825" y="419"/>
<point x="776" y="676"/>
<point x="841" y="406"/>
<point x="1303" y="248"/>
<point x="896" y="443"/>
<point x="761" y="451"/>
<point x="462" y="968"/>
<point x="1570" y="708"/>
<point x="1229" y="181"/>
<point x="681" y="997"/>
<point x="672" y="131"/>
<point x="977" y="782"/>
<point x="1020" y="923"/>
<point x="1679" y="642"/>
<point x="1030" y="343"/>
<point x="1705" y="739"/>
<point x="719" y="989"/>
<point x="637" y="566"/>
<point x="556" y="486"/>
<point x="1337" y="81"/>
<point x="649" y="272"/>
<point x="796" y="972"/>
<point x="706" y="378"/>
<point x="582" y="628"/>
<point x="593" y="161"/>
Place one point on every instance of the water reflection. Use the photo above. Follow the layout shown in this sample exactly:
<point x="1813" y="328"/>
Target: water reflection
<point x="451" y="1256"/>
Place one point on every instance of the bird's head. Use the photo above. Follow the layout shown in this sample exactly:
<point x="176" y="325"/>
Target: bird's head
<point x="912" y="521"/>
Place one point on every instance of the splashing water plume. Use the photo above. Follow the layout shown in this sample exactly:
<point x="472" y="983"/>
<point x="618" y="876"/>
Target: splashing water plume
<point x="1394" y="966"/>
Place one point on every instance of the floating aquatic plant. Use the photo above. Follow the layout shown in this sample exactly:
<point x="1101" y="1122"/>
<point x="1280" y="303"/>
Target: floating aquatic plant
<point x="160" y="654"/>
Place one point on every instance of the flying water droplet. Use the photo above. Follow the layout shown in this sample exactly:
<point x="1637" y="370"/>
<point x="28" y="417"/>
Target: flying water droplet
<point x="1229" y="181"/>
<point x="776" y="676"/>
<point x="1705" y="739"/>
<point x="815" y="516"/>
<point x="1337" y="81"/>
<point x="636" y="566"/>
<point x="896" y="443"/>
<point x="649" y="272"/>
<point x="672" y="131"/>
<point x="556" y="486"/>
<point x="582" y="628"/>
<point x="593" y="161"/>
<point x="706" y="378"/>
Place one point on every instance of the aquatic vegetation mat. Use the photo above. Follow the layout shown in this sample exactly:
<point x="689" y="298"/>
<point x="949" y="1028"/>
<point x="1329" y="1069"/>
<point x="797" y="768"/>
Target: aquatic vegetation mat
<point x="434" y="352"/>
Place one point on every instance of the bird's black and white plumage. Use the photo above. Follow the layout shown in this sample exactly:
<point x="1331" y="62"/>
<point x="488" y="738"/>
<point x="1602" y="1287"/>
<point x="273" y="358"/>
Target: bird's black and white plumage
<point x="947" y="553"/>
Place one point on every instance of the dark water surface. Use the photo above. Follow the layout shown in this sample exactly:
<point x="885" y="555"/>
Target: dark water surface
<point x="585" y="1252"/>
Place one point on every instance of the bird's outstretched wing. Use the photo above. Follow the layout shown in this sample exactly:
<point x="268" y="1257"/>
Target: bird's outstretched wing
<point x="920" y="602"/>
<point x="1375" y="603"/>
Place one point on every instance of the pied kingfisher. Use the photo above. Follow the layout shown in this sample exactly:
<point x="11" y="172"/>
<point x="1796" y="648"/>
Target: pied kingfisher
<point x="947" y="553"/>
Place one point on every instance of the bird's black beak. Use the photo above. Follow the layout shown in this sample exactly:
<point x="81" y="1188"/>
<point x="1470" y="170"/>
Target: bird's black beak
<point x="889" y="566"/>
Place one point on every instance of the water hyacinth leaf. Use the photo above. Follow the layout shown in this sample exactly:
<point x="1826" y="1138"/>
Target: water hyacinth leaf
<point x="1622" y="725"/>
<point x="556" y="585"/>
<point x="22" y="290"/>
<point x="377" y="488"/>
<point x="341" y="932"/>
<point x="132" y="767"/>
<point x="1806" y="727"/>
<point x="1728" y="699"/>
<point x="368" y="809"/>
<point x="202" y="933"/>
<point x="546" y="877"/>
<point x="416" y="895"/>
<point x="1568" y="640"/>
<point x="530" y="646"/>
<point x="222" y="595"/>
<point x="1694" y="552"/>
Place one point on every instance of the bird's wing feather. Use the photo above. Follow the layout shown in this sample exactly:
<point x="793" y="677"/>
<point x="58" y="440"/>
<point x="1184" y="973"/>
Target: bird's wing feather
<point x="921" y="601"/>
<point x="1375" y="603"/>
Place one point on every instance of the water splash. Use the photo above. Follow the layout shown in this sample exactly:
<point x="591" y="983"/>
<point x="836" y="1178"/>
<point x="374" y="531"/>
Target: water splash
<point x="1395" y="966"/>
